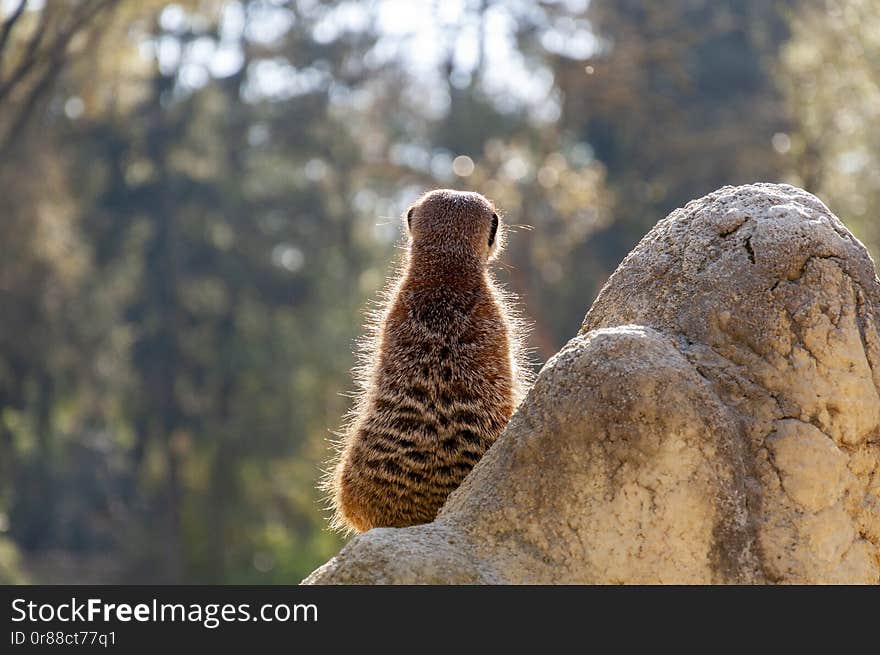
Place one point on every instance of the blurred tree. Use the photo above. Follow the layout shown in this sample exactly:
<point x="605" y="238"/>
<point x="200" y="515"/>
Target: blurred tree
<point x="10" y="568"/>
<point x="830" y="72"/>
<point x="189" y="287"/>
<point x="678" y="99"/>
<point x="36" y="43"/>
<point x="218" y="196"/>
<point x="45" y="347"/>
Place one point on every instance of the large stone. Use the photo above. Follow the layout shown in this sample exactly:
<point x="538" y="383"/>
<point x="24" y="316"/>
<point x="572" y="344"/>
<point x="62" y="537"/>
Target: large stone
<point x="715" y="421"/>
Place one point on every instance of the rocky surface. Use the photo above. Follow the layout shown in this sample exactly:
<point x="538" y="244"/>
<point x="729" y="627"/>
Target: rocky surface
<point x="716" y="420"/>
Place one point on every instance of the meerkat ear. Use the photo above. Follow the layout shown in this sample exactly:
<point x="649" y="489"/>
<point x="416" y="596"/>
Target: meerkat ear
<point x="409" y="218"/>
<point x="494" y="229"/>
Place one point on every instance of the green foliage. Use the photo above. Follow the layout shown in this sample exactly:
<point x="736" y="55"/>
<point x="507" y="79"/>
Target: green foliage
<point x="10" y="566"/>
<point x="830" y="72"/>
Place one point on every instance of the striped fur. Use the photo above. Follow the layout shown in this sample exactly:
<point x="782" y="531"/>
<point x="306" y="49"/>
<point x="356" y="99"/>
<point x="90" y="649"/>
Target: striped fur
<point x="441" y="376"/>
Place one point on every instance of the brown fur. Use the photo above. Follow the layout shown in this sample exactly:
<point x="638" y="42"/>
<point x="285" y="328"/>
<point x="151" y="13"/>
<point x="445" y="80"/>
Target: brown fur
<point x="441" y="376"/>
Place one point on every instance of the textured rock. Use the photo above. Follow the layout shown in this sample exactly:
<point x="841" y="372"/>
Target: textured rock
<point x="716" y="420"/>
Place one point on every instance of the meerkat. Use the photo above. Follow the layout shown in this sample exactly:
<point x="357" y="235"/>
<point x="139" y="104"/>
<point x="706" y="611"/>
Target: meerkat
<point x="441" y="375"/>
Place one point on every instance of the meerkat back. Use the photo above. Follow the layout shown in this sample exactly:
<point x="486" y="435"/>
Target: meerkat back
<point x="440" y="379"/>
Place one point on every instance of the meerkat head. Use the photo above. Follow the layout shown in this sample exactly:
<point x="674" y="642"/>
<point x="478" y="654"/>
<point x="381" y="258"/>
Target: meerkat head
<point x="463" y="222"/>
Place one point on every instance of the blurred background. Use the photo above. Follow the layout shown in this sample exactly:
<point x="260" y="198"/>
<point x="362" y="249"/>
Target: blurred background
<point x="199" y="198"/>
